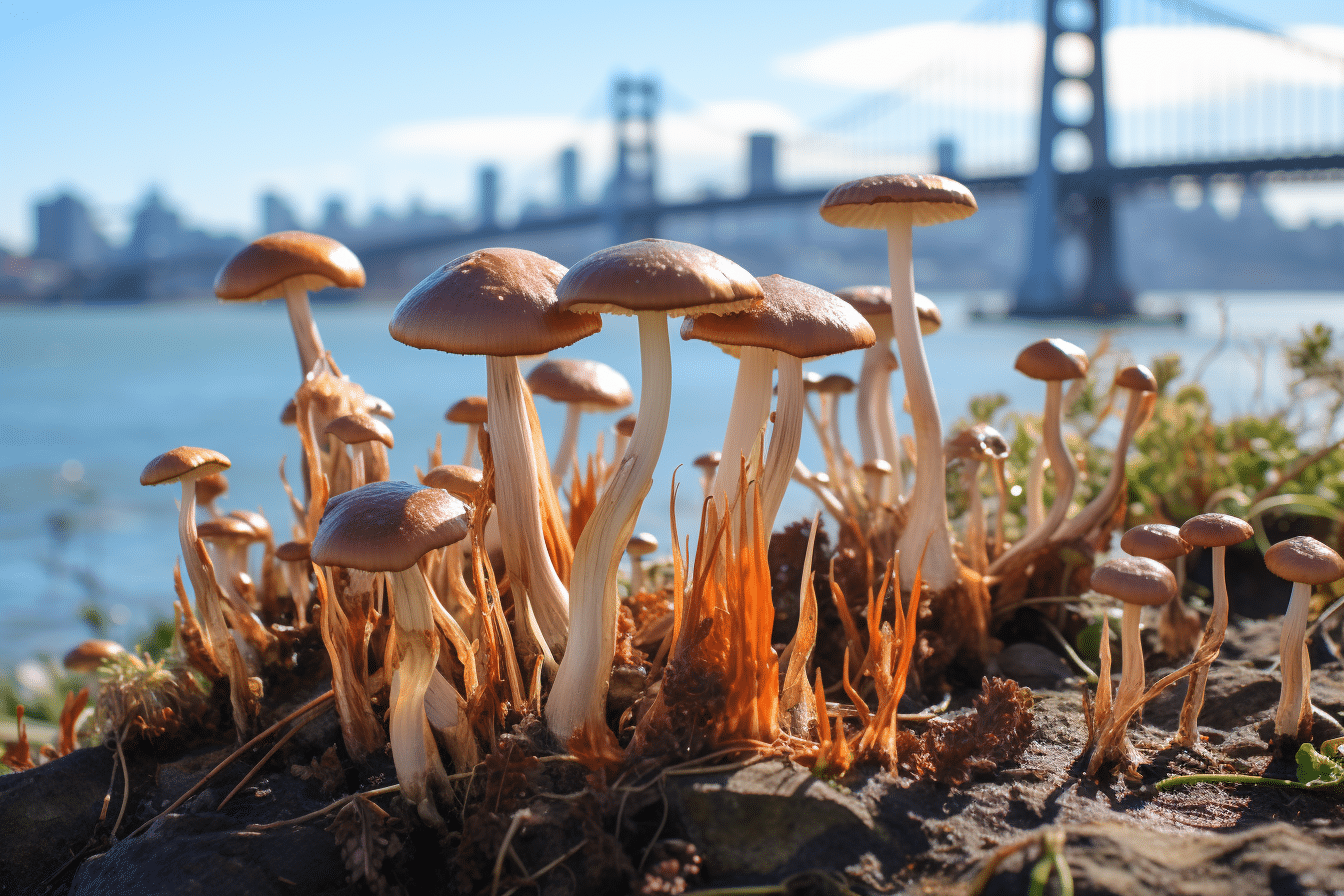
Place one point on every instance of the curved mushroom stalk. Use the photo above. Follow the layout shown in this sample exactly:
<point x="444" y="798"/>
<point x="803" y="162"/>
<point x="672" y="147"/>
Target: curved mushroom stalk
<point x="1295" y="663"/>
<point x="785" y="439"/>
<point x="748" y="415"/>
<point x="1099" y="509"/>
<point x="888" y="432"/>
<point x="306" y="338"/>
<point x="578" y="695"/>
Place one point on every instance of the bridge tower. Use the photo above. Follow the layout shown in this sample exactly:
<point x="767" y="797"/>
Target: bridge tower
<point x="1075" y="140"/>
<point x="631" y="200"/>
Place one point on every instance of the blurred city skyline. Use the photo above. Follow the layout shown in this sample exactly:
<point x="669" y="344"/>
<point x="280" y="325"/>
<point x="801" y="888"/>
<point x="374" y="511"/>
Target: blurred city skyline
<point x="214" y="107"/>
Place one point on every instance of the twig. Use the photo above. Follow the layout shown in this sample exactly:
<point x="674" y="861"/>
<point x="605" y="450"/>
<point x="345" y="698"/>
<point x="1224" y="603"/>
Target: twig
<point x="303" y="819"/>
<point x="503" y="849"/>
<point x="289" y="735"/>
<point x="662" y="791"/>
<point x="1069" y="651"/>
<point x="548" y="867"/>
<point x="196" y="788"/>
<point x="126" y="784"/>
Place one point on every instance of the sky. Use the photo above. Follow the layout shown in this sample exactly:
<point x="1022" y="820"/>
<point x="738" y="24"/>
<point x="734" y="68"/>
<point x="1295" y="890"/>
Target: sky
<point x="397" y="102"/>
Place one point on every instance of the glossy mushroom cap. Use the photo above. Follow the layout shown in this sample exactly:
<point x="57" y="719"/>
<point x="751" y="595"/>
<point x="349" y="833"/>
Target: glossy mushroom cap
<point x="657" y="275"/>
<point x="626" y="425"/>
<point x="794" y="318"/>
<point x="471" y="409"/>
<point x="352" y="429"/>
<point x="259" y="271"/>
<point x="641" y="543"/>
<point x="978" y="441"/>
<point x="1216" y="530"/>
<point x="227" y="529"/>
<point x="867" y="300"/>
<point x="292" y="552"/>
<point x="869" y="202"/>
<point x="456" y="479"/>
<point x="1304" y="559"/>
<point x="171" y="466"/>
<point x="1135" y="580"/>
<point x="930" y="318"/>
<point x="592" y="385"/>
<point x="1156" y="541"/>
<point x="1136" y="377"/>
<point x="387" y="526"/>
<point x="491" y="302"/>
<point x="88" y="656"/>
<point x="1052" y="359"/>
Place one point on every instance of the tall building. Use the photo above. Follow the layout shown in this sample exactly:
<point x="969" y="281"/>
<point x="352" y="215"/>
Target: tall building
<point x="66" y="233"/>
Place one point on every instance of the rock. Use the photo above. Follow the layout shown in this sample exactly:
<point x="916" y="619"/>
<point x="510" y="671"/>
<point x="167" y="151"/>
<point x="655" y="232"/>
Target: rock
<point x="1030" y="665"/>
<point x="772" y="819"/>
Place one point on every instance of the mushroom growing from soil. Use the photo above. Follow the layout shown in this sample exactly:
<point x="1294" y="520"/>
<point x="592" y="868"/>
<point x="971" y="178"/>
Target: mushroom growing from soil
<point x="897" y="203"/>
<point x="1305" y="562"/>
<point x="472" y="412"/>
<point x="640" y="545"/>
<point x="584" y="387"/>
<point x="651" y="279"/>
<point x="289" y="265"/>
<point x="368" y="438"/>
<point x="973" y="446"/>
<point x="1219" y="532"/>
<point x="879" y="438"/>
<point x="386" y="527"/>
<point x="501" y="303"/>
<point x="1054" y="361"/>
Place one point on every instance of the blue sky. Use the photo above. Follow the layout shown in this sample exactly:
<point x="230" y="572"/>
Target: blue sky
<point x="384" y="102"/>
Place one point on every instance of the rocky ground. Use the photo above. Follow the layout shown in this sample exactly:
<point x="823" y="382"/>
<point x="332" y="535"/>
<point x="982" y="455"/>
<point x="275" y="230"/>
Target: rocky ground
<point x="529" y="826"/>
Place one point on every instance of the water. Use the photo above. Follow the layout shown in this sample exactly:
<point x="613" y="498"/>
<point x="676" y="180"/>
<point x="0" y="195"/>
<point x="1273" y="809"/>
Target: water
<point x="89" y="395"/>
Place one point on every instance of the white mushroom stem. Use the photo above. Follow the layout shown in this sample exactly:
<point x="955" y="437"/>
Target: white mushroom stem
<point x="927" y="522"/>
<point x="579" y="693"/>
<point x="1035" y="503"/>
<point x="306" y="337"/>
<point x="1001" y="497"/>
<point x="803" y="476"/>
<point x="1294" y="663"/>
<point x="1212" y="641"/>
<point x="785" y="438"/>
<point x="545" y="603"/>
<point x="1131" y="660"/>
<point x="473" y="435"/>
<point x="209" y="602"/>
<point x="879" y="438"/>
<point x="749" y="413"/>
<point x="873" y="370"/>
<point x="975" y="516"/>
<point x="636" y="574"/>
<point x="1065" y="479"/>
<point x="564" y="455"/>
<point x="1100" y="508"/>
<point x="891" y="438"/>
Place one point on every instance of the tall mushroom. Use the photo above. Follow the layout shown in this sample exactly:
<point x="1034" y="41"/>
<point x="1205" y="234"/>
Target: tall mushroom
<point x="583" y="387"/>
<point x="651" y="279"/>
<point x="472" y="412"/>
<point x="289" y="265"/>
<point x="897" y="203"/>
<point x="1305" y="562"/>
<point x="385" y="527"/>
<point x="973" y="446"/>
<point x="501" y="303"/>
<point x="1054" y="361"/>
<point x="878" y="437"/>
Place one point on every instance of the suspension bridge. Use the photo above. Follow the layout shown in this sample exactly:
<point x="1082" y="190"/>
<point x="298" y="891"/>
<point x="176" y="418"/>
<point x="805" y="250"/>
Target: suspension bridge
<point x="1069" y="102"/>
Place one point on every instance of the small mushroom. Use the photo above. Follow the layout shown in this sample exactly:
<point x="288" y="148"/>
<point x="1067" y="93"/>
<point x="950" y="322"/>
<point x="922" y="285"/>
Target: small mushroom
<point x="472" y="412"/>
<point x="584" y="387"/>
<point x="640" y="545"/>
<point x="1305" y="562"/>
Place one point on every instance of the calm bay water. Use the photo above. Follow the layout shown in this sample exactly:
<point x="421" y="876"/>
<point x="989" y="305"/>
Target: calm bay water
<point x="89" y="395"/>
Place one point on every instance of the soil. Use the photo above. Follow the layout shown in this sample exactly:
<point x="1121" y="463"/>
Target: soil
<point x="552" y="827"/>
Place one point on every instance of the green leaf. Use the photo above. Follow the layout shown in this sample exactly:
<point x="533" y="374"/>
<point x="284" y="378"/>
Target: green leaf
<point x="1320" y="769"/>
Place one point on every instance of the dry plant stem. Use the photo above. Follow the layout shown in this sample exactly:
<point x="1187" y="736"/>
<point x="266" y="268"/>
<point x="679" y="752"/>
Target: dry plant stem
<point x="927" y="522"/>
<point x="303" y="819"/>
<point x="785" y="438"/>
<point x="803" y="476"/>
<point x="1187" y="735"/>
<point x="1065" y="479"/>
<point x="306" y="337"/>
<point x="1100" y="508"/>
<point x="749" y="412"/>
<point x="359" y="726"/>
<point x="579" y="692"/>
<point x="975" y="517"/>
<point x="544" y="605"/>
<point x="414" y="751"/>
<point x="261" y="763"/>
<point x="1295" y="666"/>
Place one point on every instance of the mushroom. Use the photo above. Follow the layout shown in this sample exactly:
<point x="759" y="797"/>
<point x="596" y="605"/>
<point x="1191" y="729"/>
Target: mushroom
<point x="1140" y="384"/>
<point x="289" y="265"/>
<point x="584" y="386"/>
<point x="209" y="488"/>
<point x="91" y="654"/>
<point x="625" y="428"/>
<point x="708" y="464"/>
<point x="368" y="438"/>
<point x="1218" y="531"/>
<point x="294" y="568"/>
<point x="640" y="545"/>
<point x="471" y="411"/>
<point x="795" y="321"/>
<point x="829" y="388"/>
<point x="973" y="446"/>
<point x="501" y="303"/>
<point x="897" y="203"/>
<point x="1305" y="562"/>
<point x="651" y="279"/>
<point x="1054" y="361"/>
<point x="385" y="527"/>
<point x="878" y="436"/>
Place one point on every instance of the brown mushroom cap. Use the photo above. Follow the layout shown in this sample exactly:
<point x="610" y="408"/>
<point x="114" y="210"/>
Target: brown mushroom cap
<point x="387" y="526"/>
<point x="590" y="384"/>
<point x="657" y="275"/>
<point x="171" y="466"/>
<point x="88" y="656"/>
<point x="869" y="202"/>
<point x="795" y="318"/>
<point x="708" y="461"/>
<point x="1213" y="530"/>
<point x="469" y="410"/>
<point x="210" y="487"/>
<point x="1157" y="541"/>
<point x="1137" y="377"/>
<point x="834" y="384"/>
<point x="641" y="543"/>
<point x="626" y="425"/>
<point x="980" y="441"/>
<point x="867" y="300"/>
<point x="1306" y="560"/>
<point x="259" y="271"/>
<point x="1052" y="359"/>
<point x="491" y="302"/>
<point x="226" y="529"/>
<point x="289" y="414"/>
<point x="456" y="479"/>
<point x="1135" y="580"/>
<point x="353" y="429"/>
<point x="292" y="552"/>
<point x="930" y="318"/>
